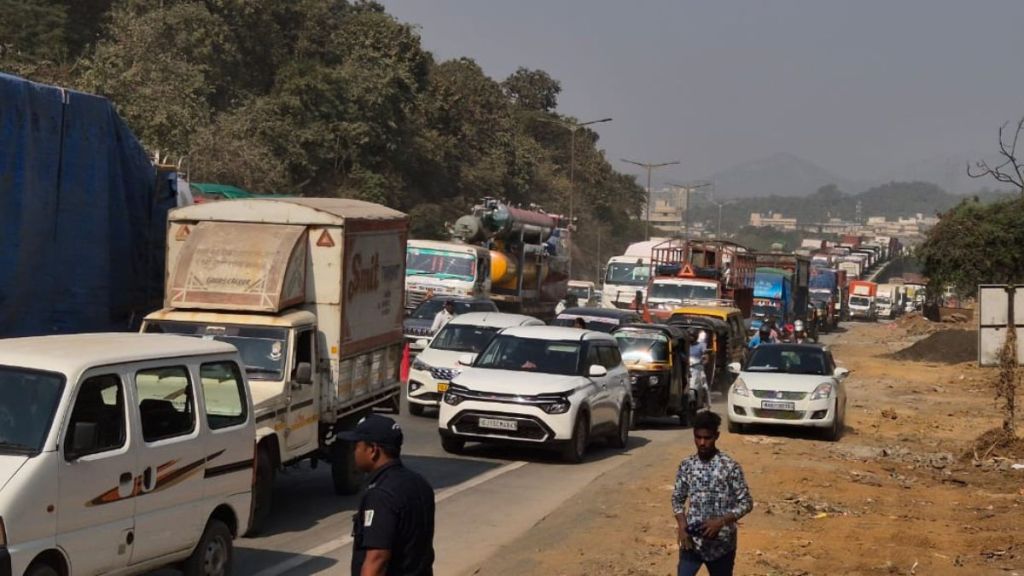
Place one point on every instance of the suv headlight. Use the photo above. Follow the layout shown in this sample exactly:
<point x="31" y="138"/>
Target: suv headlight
<point x="557" y="406"/>
<point x="823" y="391"/>
<point x="739" y="388"/>
<point x="453" y="398"/>
<point x="418" y="364"/>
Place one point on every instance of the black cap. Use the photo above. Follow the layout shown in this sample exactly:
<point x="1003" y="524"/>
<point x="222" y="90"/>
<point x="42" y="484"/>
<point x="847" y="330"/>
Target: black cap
<point x="375" y="429"/>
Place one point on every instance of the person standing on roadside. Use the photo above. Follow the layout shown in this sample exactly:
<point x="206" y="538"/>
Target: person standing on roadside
<point x="710" y="496"/>
<point x="393" y="532"/>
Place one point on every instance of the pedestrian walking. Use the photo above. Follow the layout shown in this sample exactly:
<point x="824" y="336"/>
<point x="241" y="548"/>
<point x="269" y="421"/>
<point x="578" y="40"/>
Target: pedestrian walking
<point x="393" y="531"/>
<point x="710" y="496"/>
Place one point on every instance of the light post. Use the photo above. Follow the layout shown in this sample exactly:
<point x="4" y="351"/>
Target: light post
<point x="689" y="188"/>
<point x="650" y="167"/>
<point x="572" y="126"/>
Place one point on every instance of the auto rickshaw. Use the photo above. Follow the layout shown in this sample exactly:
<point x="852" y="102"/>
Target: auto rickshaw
<point x="656" y="356"/>
<point x="729" y="342"/>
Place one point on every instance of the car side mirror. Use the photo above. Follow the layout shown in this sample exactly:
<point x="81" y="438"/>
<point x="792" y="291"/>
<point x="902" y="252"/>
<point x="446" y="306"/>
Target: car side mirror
<point x="734" y="368"/>
<point x="841" y="373"/>
<point x="467" y="359"/>
<point x="420" y="344"/>
<point x="597" y="371"/>
<point x="303" y="373"/>
<point x="83" y="439"/>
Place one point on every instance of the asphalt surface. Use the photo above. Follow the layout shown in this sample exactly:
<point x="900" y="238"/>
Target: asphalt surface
<point x="486" y="497"/>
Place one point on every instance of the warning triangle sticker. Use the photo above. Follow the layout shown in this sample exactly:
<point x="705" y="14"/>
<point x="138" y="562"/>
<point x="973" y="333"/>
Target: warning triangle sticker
<point x="686" y="271"/>
<point x="182" y="233"/>
<point x="325" y="240"/>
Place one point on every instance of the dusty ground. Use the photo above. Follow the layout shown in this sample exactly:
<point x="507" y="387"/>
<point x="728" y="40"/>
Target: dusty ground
<point x="901" y="493"/>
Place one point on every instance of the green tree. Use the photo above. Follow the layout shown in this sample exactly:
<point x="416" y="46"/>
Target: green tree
<point x="532" y="90"/>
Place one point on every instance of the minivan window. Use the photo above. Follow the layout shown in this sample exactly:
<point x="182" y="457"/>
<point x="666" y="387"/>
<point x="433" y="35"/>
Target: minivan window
<point x="98" y="419"/>
<point x="224" y="394"/>
<point x="28" y="401"/>
<point x="166" y="402"/>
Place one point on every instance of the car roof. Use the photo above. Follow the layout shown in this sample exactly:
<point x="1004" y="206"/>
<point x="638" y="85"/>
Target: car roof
<point x="495" y="319"/>
<point x="73" y="353"/>
<point x="597" y="312"/>
<point x="556" y="333"/>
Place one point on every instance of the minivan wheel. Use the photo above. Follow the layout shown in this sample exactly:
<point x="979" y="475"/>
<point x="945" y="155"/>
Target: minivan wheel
<point x="262" y="492"/>
<point x="42" y="570"/>
<point x="214" y="554"/>
<point x="621" y="440"/>
<point x="576" y="448"/>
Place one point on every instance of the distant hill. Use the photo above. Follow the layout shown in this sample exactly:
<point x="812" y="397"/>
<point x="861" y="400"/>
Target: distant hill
<point x="780" y="174"/>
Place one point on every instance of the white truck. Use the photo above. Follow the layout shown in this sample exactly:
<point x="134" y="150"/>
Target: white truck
<point x="310" y="292"/>
<point x="628" y="274"/>
<point x="436" y="268"/>
<point x="887" y="301"/>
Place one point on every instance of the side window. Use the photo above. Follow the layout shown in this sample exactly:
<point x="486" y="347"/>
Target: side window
<point x="166" y="402"/>
<point x="593" y="357"/>
<point x="224" y="394"/>
<point x="609" y="356"/>
<point x="98" y="418"/>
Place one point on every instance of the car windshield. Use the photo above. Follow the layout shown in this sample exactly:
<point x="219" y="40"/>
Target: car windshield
<point x="764" y="310"/>
<point x="581" y="292"/>
<point x="627" y="274"/>
<point x="883" y="300"/>
<point x="507" y="352"/>
<point x="684" y="291"/>
<point x="264" y="350"/>
<point x="859" y="301"/>
<point x="787" y="360"/>
<point x="28" y="400"/>
<point x="457" y="265"/>
<point x="463" y="338"/>
<point x="639" y="346"/>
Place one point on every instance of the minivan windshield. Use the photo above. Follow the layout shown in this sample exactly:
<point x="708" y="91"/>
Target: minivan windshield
<point x="531" y="355"/>
<point x="264" y="350"/>
<point x="28" y="400"/>
<point x="463" y="338"/>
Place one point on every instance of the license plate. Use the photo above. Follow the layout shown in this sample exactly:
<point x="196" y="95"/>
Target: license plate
<point x="442" y="387"/>
<point x="771" y="405"/>
<point x="498" y="424"/>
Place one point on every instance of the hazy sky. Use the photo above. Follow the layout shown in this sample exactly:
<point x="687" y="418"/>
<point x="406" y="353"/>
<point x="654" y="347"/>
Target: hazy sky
<point x="861" y="87"/>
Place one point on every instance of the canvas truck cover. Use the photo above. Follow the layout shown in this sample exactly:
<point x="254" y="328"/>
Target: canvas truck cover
<point x="823" y="279"/>
<point x="82" y="218"/>
<point x="770" y="283"/>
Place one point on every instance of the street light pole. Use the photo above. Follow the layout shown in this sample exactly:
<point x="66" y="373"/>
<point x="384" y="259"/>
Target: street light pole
<point x="572" y="126"/>
<point x="689" y="188"/>
<point x="650" y="168"/>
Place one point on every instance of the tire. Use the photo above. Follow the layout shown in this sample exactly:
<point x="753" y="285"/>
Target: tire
<point x="40" y="569"/>
<point x="621" y="438"/>
<point x="453" y="445"/>
<point x="214" y="554"/>
<point x="834" y="432"/>
<point x="634" y="419"/>
<point x="262" y="491"/>
<point x="416" y="409"/>
<point x="735" y="427"/>
<point x="346" y="477"/>
<point x="576" y="448"/>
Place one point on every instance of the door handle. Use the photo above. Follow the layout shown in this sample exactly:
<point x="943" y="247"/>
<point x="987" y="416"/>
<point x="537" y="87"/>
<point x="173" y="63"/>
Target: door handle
<point x="125" y="484"/>
<point x="148" y="479"/>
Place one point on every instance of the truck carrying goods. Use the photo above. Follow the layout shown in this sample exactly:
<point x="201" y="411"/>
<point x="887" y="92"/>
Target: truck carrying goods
<point x="628" y="274"/>
<point x="887" y="301"/>
<point x="799" y="268"/>
<point x="689" y="271"/>
<point x="310" y="292"/>
<point x="862" y="299"/>
<point x="82" y="215"/>
<point x="773" y="297"/>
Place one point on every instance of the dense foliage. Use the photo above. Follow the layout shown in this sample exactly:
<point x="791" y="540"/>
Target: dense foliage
<point x="976" y="243"/>
<point x="324" y="98"/>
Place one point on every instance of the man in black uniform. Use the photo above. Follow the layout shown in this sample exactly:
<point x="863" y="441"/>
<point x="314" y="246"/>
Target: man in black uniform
<point x="394" y="528"/>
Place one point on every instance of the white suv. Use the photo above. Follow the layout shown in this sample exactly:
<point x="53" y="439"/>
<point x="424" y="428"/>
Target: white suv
<point x="433" y="368"/>
<point x="541" y="385"/>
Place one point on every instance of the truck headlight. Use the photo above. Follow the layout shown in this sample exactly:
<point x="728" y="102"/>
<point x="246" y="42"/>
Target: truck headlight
<point x="823" y="391"/>
<point x="453" y="398"/>
<point x="739" y="388"/>
<point x="653" y="380"/>
<point x="418" y="364"/>
<point x="632" y="380"/>
<point x="559" y="406"/>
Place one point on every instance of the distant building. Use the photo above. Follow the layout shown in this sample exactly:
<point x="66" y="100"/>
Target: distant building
<point x="772" y="220"/>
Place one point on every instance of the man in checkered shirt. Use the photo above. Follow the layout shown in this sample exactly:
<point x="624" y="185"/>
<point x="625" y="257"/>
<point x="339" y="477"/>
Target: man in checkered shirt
<point x="718" y="496"/>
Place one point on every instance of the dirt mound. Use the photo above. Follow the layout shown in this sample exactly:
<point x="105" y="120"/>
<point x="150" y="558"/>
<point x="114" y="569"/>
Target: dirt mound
<point x="917" y="325"/>
<point x="946" y="346"/>
<point x="996" y="443"/>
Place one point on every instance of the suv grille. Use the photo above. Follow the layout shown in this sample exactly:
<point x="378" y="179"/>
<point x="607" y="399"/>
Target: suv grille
<point x="444" y="374"/>
<point x="528" y="427"/>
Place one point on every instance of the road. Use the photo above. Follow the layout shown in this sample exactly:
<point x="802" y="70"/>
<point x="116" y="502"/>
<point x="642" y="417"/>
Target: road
<point x="486" y="498"/>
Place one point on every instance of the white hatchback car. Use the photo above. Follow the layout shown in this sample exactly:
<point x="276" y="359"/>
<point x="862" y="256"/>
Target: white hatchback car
<point x="541" y="385"/>
<point x="433" y="368"/>
<point x="790" y="385"/>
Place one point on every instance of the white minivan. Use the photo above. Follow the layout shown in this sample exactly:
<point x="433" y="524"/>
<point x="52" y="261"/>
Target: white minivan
<point x="121" y="453"/>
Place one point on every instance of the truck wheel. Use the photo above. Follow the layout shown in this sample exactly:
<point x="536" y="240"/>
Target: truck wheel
<point x="40" y="569"/>
<point x="621" y="438"/>
<point x="415" y="409"/>
<point x="452" y="445"/>
<point x="262" y="491"/>
<point x="576" y="448"/>
<point x="214" y="554"/>
<point x="346" y="477"/>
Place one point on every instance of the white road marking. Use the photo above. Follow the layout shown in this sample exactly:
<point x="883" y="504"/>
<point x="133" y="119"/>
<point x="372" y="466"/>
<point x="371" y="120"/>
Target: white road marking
<point x="335" y="545"/>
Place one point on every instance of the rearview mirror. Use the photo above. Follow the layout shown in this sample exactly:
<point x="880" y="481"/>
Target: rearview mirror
<point x="83" y="440"/>
<point x="420" y="344"/>
<point x="597" y="371"/>
<point x="303" y="373"/>
<point x="841" y="373"/>
<point x="734" y="368"/>
<point x="467" y="359"/>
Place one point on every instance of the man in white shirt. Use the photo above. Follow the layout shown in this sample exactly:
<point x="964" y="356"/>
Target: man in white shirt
<point x="443" y="316"/>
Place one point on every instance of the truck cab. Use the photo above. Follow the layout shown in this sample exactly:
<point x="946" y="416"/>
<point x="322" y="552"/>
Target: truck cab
<point x="435" y="268"/>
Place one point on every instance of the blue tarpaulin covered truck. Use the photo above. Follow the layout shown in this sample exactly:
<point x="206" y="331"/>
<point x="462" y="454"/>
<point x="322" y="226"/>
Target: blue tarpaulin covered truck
<point x="83" y="214"/>
<point x="773" y="297"/>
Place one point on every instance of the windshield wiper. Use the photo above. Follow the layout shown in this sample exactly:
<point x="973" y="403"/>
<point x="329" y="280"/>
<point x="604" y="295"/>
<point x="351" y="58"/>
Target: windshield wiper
<point x="261" y="370"/>
<point x="14" y="446"/>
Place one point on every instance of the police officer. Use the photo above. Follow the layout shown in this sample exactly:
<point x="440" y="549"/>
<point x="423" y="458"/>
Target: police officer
<point x="394" y="528"/>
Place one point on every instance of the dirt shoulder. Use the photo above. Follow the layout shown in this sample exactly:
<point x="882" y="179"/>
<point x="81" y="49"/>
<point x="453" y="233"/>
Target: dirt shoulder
<point x="901" y="493"/>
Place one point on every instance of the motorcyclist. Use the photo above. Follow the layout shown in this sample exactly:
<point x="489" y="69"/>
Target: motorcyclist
<point x="799" y="334"/>
<point x="764" y="336"/>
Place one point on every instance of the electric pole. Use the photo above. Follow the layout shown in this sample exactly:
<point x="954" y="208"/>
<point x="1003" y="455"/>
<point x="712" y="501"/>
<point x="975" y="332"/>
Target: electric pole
<point x="649" y="167"/>
<point x="690" y="188"/>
